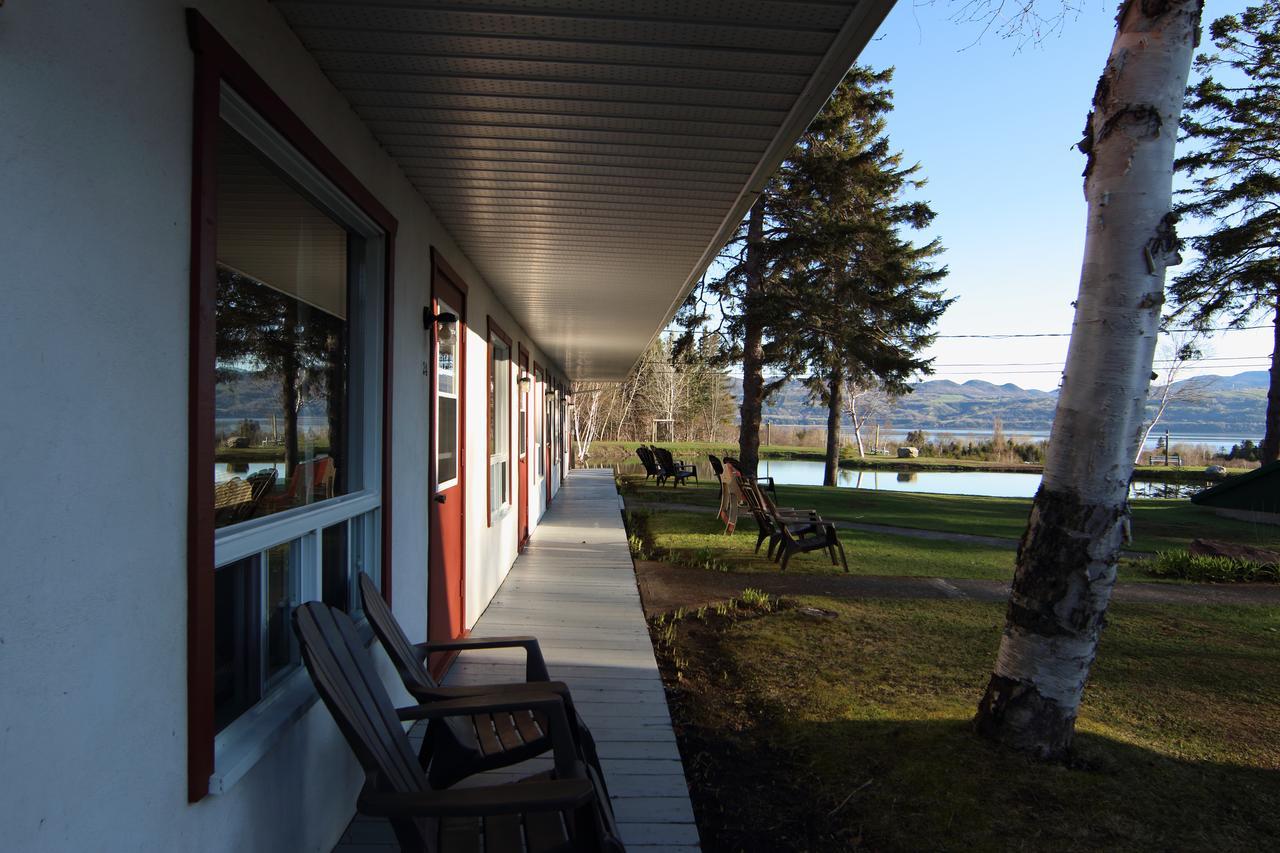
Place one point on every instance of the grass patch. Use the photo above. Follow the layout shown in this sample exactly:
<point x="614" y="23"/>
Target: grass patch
<point x="698" y="541"/>
<point x="851" y="732"/>
<point x="1158" y="525"/>
<point x="1209" y="569"/>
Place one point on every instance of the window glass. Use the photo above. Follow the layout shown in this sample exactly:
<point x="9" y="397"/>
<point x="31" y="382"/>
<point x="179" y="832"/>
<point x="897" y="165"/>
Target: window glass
<point x="522" y="427"/>
<point x="297" y="351"/>
<point x="446" y="400"/>
<point x="282" y="339"/>
<point x="499" y="423"/>
<point x="335" y="572"/>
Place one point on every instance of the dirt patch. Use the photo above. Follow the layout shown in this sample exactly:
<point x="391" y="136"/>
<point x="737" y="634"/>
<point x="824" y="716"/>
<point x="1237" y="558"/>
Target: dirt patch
<point x="664" y="587"/>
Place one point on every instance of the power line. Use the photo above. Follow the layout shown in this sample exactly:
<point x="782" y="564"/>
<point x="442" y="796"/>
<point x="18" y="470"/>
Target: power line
<point x="1068" y="334"/>
<point x="1231" y="358"/>
<point x="1059" y="370"/>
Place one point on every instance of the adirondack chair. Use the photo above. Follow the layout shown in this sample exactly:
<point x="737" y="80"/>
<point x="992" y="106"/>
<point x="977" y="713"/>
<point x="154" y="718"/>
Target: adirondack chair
<point x="459" y="747"/>
<point x="672" y="470"/>
<point x="561" y="810"/>
<point x="651" y="468"/>
<point x="767" y="523"/>
<point x="796" y="533"/>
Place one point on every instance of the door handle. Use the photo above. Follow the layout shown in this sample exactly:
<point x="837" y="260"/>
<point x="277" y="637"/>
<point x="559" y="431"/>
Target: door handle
<point x="440" y="498"/>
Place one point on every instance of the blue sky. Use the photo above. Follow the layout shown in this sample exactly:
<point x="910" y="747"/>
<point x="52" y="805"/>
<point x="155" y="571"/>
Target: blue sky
<point x="994" y="128"/>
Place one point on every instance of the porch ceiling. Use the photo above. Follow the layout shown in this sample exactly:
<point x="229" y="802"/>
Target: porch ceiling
<point x="589" y="156"/>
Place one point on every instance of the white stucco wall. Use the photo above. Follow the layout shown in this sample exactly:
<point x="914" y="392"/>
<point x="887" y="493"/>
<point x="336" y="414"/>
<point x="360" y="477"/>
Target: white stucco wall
<point x="95" y="166"/>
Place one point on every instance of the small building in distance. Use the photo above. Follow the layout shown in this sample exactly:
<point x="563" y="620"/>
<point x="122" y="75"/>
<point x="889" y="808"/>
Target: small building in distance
<point x="1254" y="496"/>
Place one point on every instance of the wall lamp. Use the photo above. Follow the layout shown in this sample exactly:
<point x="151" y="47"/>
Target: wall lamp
<point x="444" y="317"/>
<point x="526" y="382"/>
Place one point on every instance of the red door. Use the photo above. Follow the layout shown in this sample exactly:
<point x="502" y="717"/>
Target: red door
<point x="522" y="448"/>
<point x="446" y="569"/>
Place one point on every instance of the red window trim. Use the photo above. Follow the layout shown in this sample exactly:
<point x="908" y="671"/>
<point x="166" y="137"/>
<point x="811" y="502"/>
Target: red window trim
<point x="494" y="329"/>
<point x="216" y="62"/>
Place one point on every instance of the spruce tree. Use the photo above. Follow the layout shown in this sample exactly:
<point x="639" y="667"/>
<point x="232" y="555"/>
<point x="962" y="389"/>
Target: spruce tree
<point x="861" y="297"/>
<point x="1233" y="116"/>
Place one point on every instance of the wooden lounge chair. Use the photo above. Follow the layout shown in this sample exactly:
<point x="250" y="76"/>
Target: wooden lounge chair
<point x="672" y="470"/>
<point x="740" y="486"/>
<point x="789" y="531"/>
<point x="460" y="746"/>
<point x="651" y="468"/>
<point x="562" y="810"/>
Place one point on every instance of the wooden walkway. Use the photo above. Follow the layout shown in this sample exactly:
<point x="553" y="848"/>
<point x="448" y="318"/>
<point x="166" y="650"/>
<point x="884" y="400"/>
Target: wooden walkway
<point x="575" y="589"/>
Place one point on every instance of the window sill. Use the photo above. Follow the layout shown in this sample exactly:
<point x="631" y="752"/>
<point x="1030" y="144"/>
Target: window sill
<point x="238" y="747"/>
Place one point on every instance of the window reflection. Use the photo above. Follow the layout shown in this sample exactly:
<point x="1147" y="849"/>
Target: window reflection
<point x="282" y="343"/>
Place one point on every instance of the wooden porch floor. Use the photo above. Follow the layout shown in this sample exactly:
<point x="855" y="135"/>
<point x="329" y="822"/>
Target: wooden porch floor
<point x="575" y="589"/>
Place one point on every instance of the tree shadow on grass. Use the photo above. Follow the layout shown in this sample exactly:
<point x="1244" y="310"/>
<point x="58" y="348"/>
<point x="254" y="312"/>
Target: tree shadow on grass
<point x="853" y="732"/>
<point x="896" y="785"/>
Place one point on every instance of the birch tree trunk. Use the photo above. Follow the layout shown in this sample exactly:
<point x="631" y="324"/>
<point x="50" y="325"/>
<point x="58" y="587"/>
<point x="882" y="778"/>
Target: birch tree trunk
<point x="1066" y="564"/>
<point x="752" y="344"/>
<point x="835" y="406"/>
<point x="857" y="426"/>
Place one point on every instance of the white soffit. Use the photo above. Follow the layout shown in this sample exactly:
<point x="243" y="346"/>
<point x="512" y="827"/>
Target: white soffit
<point x="589" y="156"/>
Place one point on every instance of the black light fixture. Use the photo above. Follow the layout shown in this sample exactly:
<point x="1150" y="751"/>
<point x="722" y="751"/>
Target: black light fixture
<point x="429" y="319"/>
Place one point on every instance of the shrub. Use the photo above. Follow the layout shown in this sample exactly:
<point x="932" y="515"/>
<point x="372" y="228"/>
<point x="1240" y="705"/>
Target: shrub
<point x="1194" y="567"/>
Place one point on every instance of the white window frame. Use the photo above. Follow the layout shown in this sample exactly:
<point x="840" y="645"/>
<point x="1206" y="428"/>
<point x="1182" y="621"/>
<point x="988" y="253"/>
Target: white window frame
<point x="289" y="694"/>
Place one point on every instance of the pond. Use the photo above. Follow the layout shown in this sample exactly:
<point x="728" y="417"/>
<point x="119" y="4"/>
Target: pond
<point x="791" y="472"/>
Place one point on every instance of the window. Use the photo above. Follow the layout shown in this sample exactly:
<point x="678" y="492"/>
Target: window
<point x="297" y="389"/>
<point x="522" y="423"/>
<point x="540" y="405"/>
<point x="447" y="400"/>
<point x="499" y="420"/>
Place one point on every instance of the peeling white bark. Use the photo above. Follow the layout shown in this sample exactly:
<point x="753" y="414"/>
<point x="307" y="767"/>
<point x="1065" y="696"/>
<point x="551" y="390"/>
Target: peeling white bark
<point x="1067" y="558"/>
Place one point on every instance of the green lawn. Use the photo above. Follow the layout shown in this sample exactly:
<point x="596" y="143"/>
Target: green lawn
<point x="1157" y="524"/>
<point x="804" y="734"/>
<point x="698" y="540"/>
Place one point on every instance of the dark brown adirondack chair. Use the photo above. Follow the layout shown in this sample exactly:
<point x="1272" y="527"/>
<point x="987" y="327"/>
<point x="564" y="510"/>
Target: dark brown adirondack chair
<point x="458" y="747"/>
<point x="672" y="470"/>
<point x="561" y="810"/>
<point x="767" y="523"/>
<point x="651" y="468"/>
<point x="796" y="533"/>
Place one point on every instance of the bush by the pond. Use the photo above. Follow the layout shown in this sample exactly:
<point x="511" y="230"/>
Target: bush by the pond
<point x="1207" y="569"/>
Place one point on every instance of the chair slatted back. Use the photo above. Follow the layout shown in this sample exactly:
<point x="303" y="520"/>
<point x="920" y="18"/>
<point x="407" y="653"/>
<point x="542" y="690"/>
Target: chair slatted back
<point x="751" y="496"/>
<point x="346" y="680"/>
<point x="716" y="465"/>
<point x="665" y="460"/>
<point x="647" y="460"/>
<point x="387" y="628"/>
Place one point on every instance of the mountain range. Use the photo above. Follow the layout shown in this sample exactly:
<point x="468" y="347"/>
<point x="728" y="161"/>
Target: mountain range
<point x="1203" y="404"/>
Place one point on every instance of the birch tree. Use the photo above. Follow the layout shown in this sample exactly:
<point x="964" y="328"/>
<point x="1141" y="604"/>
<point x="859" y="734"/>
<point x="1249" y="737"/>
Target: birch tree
<point x="1066" y="564"/>
<point x="864" y="401"/>
<point x="1180" y="350"/>
<point x="588" y="414"/>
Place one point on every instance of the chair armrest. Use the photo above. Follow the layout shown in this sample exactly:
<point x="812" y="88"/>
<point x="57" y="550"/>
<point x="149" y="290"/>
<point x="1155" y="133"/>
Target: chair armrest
<point x="553" y="706"/>
<point x="535" y="668"/>
<point x="463" y="691"/>
<point x="551" y="795"/>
